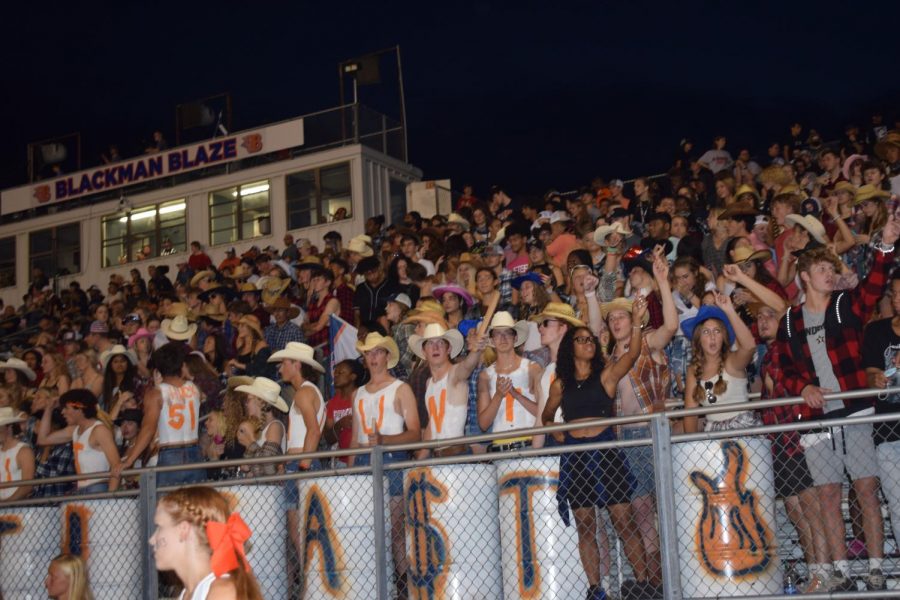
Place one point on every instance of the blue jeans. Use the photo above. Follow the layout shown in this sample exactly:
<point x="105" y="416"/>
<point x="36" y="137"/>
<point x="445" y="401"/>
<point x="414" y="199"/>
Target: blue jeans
<point x="291" y="491"/>
<point x="395" y="476"/>
<point x="640" y="461"/>
<point x="182" y="455"/>
<point x="95" y="488"/>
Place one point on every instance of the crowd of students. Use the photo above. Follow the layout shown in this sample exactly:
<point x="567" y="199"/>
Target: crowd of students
<point x="725" y="277"/>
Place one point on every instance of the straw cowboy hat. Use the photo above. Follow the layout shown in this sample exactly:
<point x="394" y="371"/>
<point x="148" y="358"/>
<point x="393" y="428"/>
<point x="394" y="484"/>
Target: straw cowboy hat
<point x="376" y="340"/>
<point x="213" y="313"/>
<point x="299" y="352"/>
<point x="17" y="364"/>
<point x="870" y="192"/>
<point x="248" y="288"/>
<point x="242" y="271"/>
<point x="116" y="350"/>
<point x="559" y="311"/>
<point x="272" y="289"/>
<point x="282" y="302"/>
<point x="504" y="320"/>
<point x="433" y="331"/>
<point x="196" y="279"/>
<point x="178" y="328"/>
<point x="9" y="416"/>
<point x="360" y="247"/>
<point x="891" y="139"/>
<point x="603" y="232"/>
<point x="746" y="189"/>
<point x="452" y="288"/>
<point x="845" y="186"/>
<point x="428" y="311"/>
<point x="253" y="323"/>
<point x="810" y="224"/>
<point x="266" y="390"/>
<point x="180" y="308"/>
<point x="235" y="380"/>
<point x="774" y="175"/>
<point x="620" y="304"/>
<point x="744" y="254"/>
<point x="456" y="219"/>
<point x="228" y="293"/>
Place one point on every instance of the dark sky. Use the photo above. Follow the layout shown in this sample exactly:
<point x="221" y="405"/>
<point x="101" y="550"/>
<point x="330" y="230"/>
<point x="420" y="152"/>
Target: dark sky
<point x="526" y="94"/>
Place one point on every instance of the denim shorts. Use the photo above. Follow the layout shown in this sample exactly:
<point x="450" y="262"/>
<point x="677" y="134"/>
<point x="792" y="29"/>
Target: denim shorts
<point x="95" y="488"/>
<point x="593" y="477"/>
<point x="395" y="476"/>
<point x="640" y="461"/>
<point x="291" y="490"/>
<point x="181" y="455"/>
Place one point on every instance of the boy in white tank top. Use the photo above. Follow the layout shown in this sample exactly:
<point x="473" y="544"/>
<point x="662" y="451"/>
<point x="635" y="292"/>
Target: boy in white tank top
<point x="447" y="390"/>
<point x="16" y="458"/>
<point x="509" y="391"/>
<point x="385" y="413"/>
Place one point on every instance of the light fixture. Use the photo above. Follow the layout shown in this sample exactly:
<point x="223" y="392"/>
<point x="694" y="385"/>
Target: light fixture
<point x="255" y="189"/>
<point x="172" y="208"/>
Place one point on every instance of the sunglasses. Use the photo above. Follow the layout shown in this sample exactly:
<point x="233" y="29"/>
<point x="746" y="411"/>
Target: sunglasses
<point x="547" y="322"/>
<point x="710" y="396"/>
<point x="584" y="340"/>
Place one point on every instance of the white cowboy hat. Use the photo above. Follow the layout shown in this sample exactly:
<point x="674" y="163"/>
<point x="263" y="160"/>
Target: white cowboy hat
<point x="376" y="340"/>
<point x="457" y="219"/>
<point x="287" y="269"/>
<point x="17" y="364"/>
<point x="9" y="415"/>
<point x="299" y="352"/>
<point x="810" y="224"/>
<point x="360" y="246"/>
<point x="266" y="390"/>
<point x="178" y="328"/>
<point x="603" y="232"/>
<point x="559" y="216"/>
<point x="504" y="320"/>
<point x="434" y="331"/>
<point x="107" y="355"/>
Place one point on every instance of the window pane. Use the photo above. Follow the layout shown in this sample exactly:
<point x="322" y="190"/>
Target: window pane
<point x="397" y="191"/>
<point x="40" y="241"/>
<point x="255" y="209"/>
<point x="300" y="191"/>
<point x="336" y="191"/>
<point x="222" y="219"/>
<point x="7" y="262"/>
<point x="68" y="248"/>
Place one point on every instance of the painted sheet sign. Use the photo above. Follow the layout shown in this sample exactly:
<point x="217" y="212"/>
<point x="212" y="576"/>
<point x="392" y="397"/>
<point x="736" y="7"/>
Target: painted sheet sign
<point x="153" y="166"/>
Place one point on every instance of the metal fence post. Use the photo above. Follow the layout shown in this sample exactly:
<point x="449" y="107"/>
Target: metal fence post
<point x="381" y="574"/>
<point x="147" y="509"/>
<point x="665" y="506"/>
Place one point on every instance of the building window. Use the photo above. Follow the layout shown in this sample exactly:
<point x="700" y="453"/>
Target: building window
<point x="7" y="262"/>
<point x="319" y="196"/>
<point x="145" y="232"/>
<point x="56" y="251"/>
<point x="239" y="213"/>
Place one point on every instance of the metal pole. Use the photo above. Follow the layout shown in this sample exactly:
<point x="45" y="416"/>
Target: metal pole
<point x="343" y="118"/>
<point x="355" y="115"/>
<point x="147" y="508"/>
<point x="665" y="506"/>
<point x="402" y="104"/>
<point x="381" y="540"/>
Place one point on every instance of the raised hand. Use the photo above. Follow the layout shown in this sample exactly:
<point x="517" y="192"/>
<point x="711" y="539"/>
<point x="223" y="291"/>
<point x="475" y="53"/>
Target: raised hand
<point x="732" y="272"/>
<point x="590" y="283"/>
<point x="891" y="231"/>
<point x="638" y="310"/>
<point x="723" y="301"/>
<point x="660" y="266"/>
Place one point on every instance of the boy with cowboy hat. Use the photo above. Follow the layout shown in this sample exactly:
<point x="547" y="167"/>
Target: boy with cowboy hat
<point x="283" y="331"/>
<point x="447" y="389"/>
<point x="512" y="383"/>
<point x="385" y="413"/>
<point x="16" y="457"/>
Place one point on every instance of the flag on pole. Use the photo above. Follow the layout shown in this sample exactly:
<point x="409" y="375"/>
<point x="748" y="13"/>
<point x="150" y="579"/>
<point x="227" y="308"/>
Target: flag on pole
<point x="342" y="339"/>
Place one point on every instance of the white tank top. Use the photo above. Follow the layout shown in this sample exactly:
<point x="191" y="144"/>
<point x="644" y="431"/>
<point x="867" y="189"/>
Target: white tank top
<point x="511" y="414"/>
<point x="547" y="380"/>
<point x="377" y="408"/>
<point x="736" y="393"/>
<point x="262" y="436"/>
<point x="88" y="459"/>
<point x="296" y="424"/>
<point x="9" y="469"/>
<point x="202" y="589"/>
<point x="179" y="419"/>
<point x="445" y="419"/>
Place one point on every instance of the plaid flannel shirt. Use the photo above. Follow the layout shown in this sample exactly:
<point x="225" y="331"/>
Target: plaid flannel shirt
<point x="60" y="461"/>
<point x="844" y="346"/>
<point x="278" y="337"/>
<point x="789" y="441"/>
<point x="649" y="379"/>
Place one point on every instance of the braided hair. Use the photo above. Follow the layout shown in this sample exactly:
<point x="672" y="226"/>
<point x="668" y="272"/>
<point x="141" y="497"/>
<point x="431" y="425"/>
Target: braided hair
<point x="697" y="361"/>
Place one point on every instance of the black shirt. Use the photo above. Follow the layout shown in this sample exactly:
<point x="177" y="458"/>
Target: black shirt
<point x="370" y="301"/>
<point x="880" y="351"/>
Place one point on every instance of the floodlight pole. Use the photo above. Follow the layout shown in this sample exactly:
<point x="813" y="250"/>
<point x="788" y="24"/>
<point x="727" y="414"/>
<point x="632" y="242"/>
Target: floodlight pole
<point x="402" y="105"/>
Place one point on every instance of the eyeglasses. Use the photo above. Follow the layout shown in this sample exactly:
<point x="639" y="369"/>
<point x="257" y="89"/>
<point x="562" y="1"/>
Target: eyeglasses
<point x="584" y="340"/>
<point x="503" y="333"/>
<point x="710" y="396"/>
<point x="546" y="322"/>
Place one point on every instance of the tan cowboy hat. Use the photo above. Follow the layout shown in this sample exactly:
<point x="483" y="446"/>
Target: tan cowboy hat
<point x="791" y="189"/>
<point x="178" y="328"/>
<point x="458" y="219"/>
<point x="891" y="139"/>
<point x="427" y="311"/>
<point x="603" y="232"/>
<point x="845" y="186"/>
<point x="242" y="271"/>
<point x="196" y="279"/>
<point x="282" y="302"/>
<point x="266" y="390"/>
<point x="236" y="380"/>
<point x="810" y="224"/>
<point x="360" y="247"/>
<point x="299" y="352"/>
<point x="870" y="192"/>
<point x="620" y="304"/>
<point x="252" y="322"/>
<point x="116" y="350"/>
<point x="9" y="415"/>
<point x="17" y="364"/>
<point x="774" y="175"/>
<point x="376" y="340"/>
<point x="180" y="308"/>
<point x="211" y="312"/>
<point x="248" y="288"/>
<point x="433" y="331"/>
<point x="272" y="288"/>
<point x="744" y="254"/>
<point x="746" y="189"/>
<point x="559" y="311"/>
<point x="504" y="320"/>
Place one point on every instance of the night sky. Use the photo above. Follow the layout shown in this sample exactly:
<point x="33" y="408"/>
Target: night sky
<point x="529" y="95"/>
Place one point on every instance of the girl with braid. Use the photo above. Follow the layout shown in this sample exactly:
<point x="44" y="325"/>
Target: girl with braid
<point x="718" y="374"/>
<point x="199" y="538"/>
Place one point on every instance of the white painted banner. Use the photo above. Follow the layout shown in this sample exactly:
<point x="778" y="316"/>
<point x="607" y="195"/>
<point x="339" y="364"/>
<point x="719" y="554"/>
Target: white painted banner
<point x="153" y="166"/>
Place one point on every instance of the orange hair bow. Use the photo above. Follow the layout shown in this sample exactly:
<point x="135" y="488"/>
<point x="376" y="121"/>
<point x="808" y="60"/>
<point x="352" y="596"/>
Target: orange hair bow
<point x="227" y="543"/>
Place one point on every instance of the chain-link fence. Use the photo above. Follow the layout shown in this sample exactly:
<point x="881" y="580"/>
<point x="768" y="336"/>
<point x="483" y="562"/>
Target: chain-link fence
<point x="633" y="512"/>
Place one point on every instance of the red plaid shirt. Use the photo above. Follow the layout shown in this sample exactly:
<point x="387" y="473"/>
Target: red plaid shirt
<point x="344" y="294"/>
<point x="779" y="415"/>
<point x="844" y="346"/>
